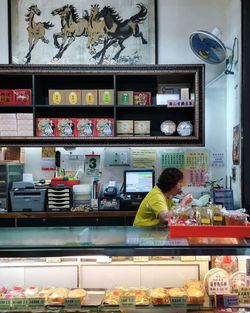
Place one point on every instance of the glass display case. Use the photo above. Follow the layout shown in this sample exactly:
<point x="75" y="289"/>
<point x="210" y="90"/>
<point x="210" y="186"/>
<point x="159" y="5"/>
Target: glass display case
<point x="103" y="261"/>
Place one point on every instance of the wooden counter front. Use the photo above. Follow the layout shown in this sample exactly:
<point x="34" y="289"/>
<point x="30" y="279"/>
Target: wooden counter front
<point x="64" y="215"/>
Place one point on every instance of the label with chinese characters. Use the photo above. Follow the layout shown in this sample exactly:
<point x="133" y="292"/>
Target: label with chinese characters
<point x="244" y="295"/>
<point x="5" y="304"/>
<point x="127" y="302"/>
<point x="178" y="301"/>
<point x="231" y="300"/>
<point x="35" y="303"/>
<point x="218" y="285"/>
<point x="19" y="303"/>
<point x="72" y="303"/>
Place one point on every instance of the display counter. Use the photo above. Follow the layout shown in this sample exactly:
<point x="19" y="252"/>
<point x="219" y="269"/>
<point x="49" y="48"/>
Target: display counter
<point x="100" y="260"/>
<point x="111" y="241"/>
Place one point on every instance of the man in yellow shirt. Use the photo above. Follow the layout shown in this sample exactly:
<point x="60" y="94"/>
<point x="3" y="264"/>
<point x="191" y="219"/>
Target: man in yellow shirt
<point x="153" y="210"/>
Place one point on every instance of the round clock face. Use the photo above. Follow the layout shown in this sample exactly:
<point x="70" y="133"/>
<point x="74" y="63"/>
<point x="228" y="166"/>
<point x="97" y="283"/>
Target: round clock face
<point x="168" y="127"/>
<point x="185" y="128"/>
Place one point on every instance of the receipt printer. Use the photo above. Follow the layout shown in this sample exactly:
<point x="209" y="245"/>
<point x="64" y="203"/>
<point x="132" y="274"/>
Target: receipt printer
<point x="24" y="197"/>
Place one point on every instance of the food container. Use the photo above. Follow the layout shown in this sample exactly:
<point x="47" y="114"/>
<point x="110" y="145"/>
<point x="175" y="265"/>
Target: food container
<point x="235" y="218"/>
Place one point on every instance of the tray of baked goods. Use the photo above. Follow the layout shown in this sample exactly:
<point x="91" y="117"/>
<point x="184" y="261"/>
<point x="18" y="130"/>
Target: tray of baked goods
<point x="45" y="297"/>
<point x="191" y="293"/>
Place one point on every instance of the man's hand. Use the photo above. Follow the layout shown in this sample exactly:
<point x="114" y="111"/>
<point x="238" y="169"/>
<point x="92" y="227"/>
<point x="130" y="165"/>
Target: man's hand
<point x="187" y="199"/>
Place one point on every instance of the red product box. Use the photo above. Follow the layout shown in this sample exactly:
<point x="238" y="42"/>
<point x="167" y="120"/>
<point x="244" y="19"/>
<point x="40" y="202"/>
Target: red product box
<point x="22" y="96"/>
<point x="6" y="96"/>
<point x="104" y="127"/>
<point x="85" y="127"/>
<point x="46" y="127"/>
<point x="142" y="98"/>
<point x="66" y="127"/>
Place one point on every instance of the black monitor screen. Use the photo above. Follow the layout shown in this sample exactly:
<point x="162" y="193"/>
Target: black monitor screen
<point x="138" y="182"/>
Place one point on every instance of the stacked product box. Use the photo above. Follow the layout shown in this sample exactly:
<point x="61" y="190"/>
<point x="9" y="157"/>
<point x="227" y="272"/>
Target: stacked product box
<point x="8" y="124"/>
<point x="46" y="127"/>
<point x="81" y="97"/>
<point x="70" y="127"/>
<point x="15" y="97"/>
<point x="25" y="124"/>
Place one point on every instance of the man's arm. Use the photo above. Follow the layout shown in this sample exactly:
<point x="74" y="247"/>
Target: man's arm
<point x="163" y="217"/>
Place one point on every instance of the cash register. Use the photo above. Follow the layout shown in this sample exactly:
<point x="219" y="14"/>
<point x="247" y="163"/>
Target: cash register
<point x="25" y="197"/>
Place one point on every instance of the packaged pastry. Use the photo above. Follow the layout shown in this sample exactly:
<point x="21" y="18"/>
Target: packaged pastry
<point x="237" y="280"/>
<point x="31" y="291"/>
<point x="217" y="214"/>
<point x="159" y="296"/>
<point x="57" y="296"/>
<point x="177" y="292"/>
<point x="195" y="295"/>
<point x="183" y="215"/>
<point x="78" y="293"/>
<point x="112" y="296"/>
<point x="141" y="295"/>
<point x="226" y="262"/>
<point x="236" y="217"/>
<point x="193" y="283"/>
<point x="205" y="216"/>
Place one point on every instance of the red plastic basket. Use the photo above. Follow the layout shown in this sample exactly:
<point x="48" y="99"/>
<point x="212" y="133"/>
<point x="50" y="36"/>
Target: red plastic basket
<point x="218" y="231"/>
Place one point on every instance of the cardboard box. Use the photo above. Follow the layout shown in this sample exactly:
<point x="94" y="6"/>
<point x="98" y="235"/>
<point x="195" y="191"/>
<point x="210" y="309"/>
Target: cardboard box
<point x="106" y="96"/>
<point x="8" y="124"/>
<point x="46" y="127"/>
<point x="125" y="97"/>
<point x="6" y="96"/>
<point x="56" y="97"/>
<point x="142" y="98"/>
<point x="104" y="127"/>
<point x="73" y="97"/>
<point x="85" y="127"/>
<point x="22" y="96"/>
<point x="90" y="97"/>
<point x="125" y="127"/>
<point x="8" y="133"/>
<point x="185" y="94"/>
<point x="24" y="116"/>
<point x="8" y="116"/>
<point x="65" y="127"/>
<point x="142" y="128"/>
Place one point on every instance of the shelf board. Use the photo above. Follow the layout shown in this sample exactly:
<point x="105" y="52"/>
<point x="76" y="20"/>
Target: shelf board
<point x="157" y="141"/>
<point x="73" y="106"/>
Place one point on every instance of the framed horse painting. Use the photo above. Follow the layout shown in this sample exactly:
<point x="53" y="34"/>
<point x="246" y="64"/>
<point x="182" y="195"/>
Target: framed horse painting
<point x="83" y="31"/>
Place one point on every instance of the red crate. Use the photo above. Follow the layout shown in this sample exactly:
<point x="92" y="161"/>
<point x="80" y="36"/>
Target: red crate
<point x="22" y="96"/>
<point x="217" y="231"/>
<point x="6" y="96"/>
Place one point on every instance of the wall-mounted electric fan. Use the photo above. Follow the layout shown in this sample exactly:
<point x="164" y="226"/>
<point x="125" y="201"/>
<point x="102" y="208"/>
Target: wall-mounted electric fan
<point x="210" y="49"/>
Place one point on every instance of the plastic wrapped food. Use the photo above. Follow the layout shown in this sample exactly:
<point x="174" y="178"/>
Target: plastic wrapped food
<point x="217" y="215"/>
<point x="205" y="216"/>
<point x="227" y="262"/>
<point x="183" y="215"/>
<point x="236" y="217"/>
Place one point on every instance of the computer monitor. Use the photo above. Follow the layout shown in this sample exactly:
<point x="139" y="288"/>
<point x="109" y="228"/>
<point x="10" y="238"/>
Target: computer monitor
<point x="138" y="183"/>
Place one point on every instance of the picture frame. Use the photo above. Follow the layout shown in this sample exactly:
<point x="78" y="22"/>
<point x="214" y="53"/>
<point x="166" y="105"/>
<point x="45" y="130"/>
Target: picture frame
<point x="82" y="32"/>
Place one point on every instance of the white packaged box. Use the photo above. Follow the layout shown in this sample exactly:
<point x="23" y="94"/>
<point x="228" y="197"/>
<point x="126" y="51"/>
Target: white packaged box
<point x="24" y="116"/>
<point x="8" y="116"/>
<point x="8" y="125"/>
<point x="8" y="133"/>
<point x="81" y="192"/>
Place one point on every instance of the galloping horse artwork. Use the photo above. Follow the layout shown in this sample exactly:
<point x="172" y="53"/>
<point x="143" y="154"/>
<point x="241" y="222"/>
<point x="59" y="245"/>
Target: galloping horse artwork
<point x="81" y="32"/>
<point x="118" y="30"/>
<point x="36" y="30"/>
<point x="71" y="27"/>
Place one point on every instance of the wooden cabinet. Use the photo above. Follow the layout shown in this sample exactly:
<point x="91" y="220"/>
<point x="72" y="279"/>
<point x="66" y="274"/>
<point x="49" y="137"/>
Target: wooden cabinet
<point x="148" y="78"/>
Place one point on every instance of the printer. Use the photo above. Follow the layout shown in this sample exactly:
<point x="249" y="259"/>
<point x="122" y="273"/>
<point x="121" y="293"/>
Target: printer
<point x="24" y="197"/>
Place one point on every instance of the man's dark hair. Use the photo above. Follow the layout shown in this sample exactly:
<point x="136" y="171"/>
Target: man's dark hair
<point x="169" y="178"/>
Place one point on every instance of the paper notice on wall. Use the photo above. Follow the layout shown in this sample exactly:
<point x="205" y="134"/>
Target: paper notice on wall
<point x="48" y="162"/>
<point x="92" y="165"/>
<point x="217" y="160"/>
<point x="143" y="158"/>
<point x="71" y="162"/>
<point x="197" y="160"/>
<point x="173" y="159"/>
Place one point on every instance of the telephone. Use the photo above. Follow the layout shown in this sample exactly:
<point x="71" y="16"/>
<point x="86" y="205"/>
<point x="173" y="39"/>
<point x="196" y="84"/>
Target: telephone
<point x="110" y="191"/>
